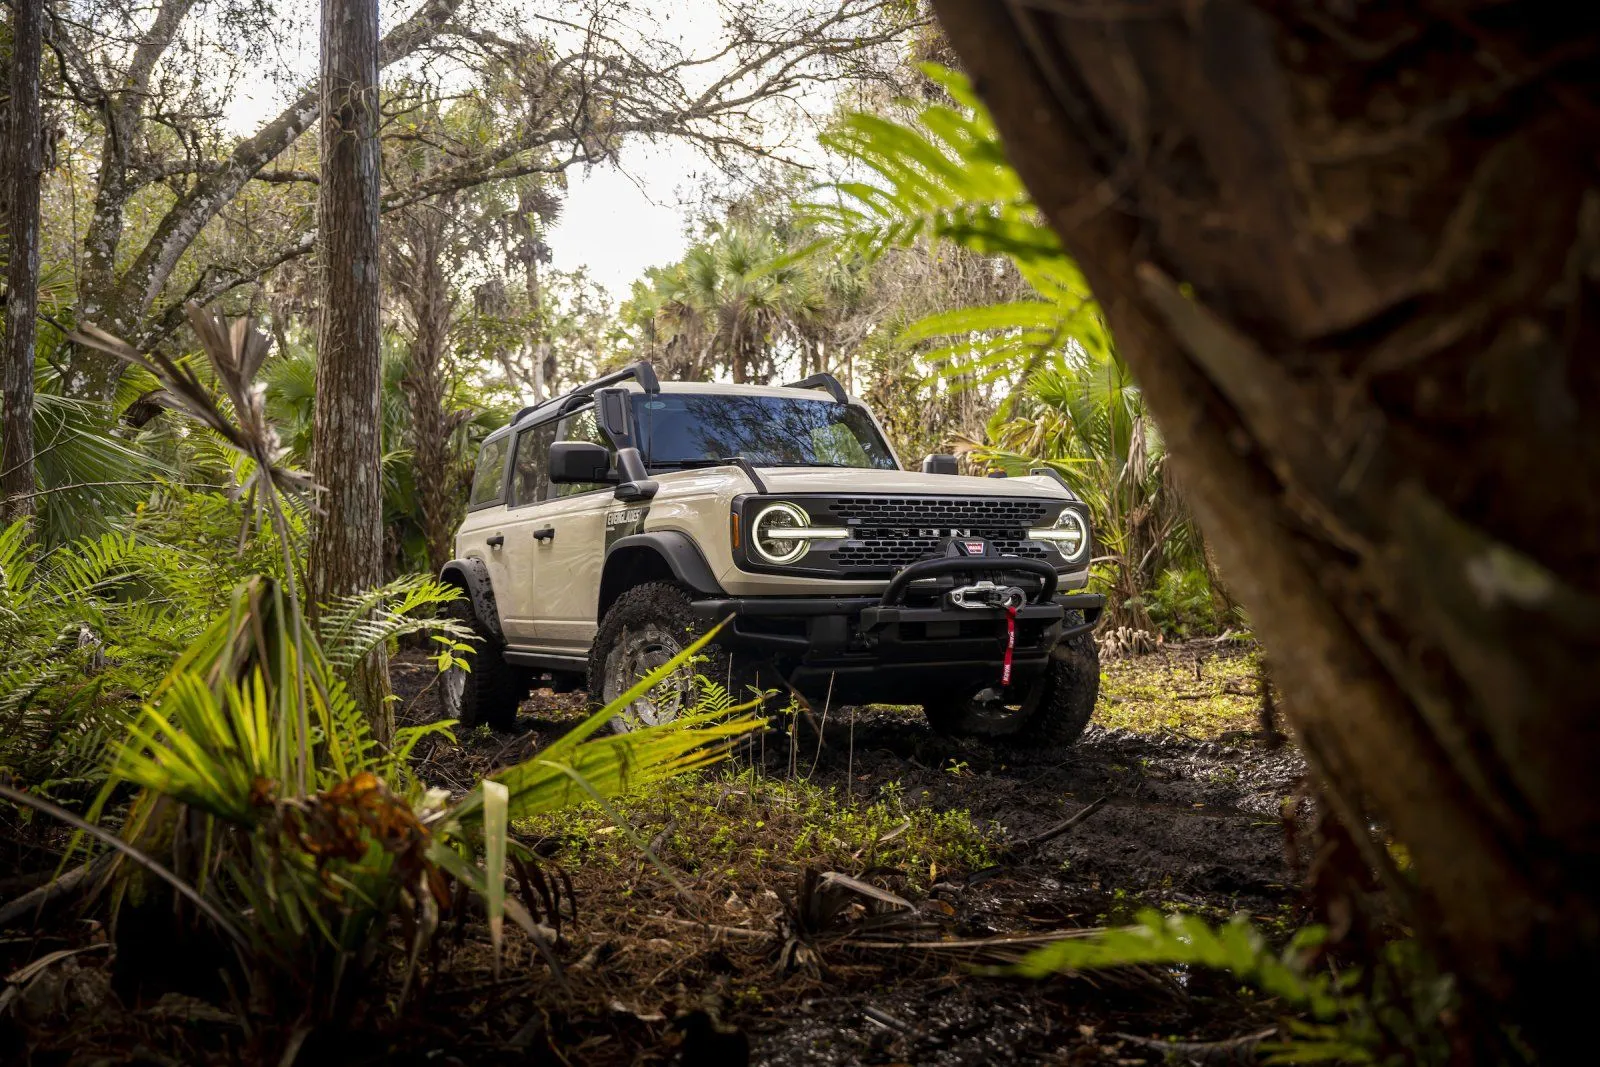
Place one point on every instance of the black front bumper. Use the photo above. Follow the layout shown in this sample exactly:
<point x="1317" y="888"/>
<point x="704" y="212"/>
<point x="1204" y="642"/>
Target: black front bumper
<point x="903" y="647"/>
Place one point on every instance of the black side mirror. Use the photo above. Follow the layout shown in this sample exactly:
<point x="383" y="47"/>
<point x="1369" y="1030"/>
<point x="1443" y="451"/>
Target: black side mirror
<point x="579" y="461"/>
<point x="615" y="409"/>
<point x="938" y="463"/>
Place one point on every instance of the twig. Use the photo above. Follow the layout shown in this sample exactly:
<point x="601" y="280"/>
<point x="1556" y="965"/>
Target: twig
<point x="1028" y="844"/>
<point x="1243" y="1049"/>
<point x="36" y="900"/>
<point x="732" y="931"/>
<point x="826" y="701"/>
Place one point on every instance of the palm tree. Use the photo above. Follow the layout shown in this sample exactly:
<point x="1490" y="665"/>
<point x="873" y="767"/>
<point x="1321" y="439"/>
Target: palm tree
<point x="740" y="301"/>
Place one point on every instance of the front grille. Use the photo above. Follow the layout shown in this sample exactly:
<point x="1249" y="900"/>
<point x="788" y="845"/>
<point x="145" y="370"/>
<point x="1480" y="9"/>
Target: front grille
<point x="887" y="533"/>
<point x="940" y="511"/>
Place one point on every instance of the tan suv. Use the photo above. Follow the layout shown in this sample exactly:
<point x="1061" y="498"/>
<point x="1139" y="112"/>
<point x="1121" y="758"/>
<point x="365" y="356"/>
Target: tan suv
<point x="610" y="526"/>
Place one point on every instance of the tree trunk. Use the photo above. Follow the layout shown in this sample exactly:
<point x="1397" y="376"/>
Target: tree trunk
<point x="347" y="537"/>
<point x="24" y="166"/>
<point x="1351" y="253"/>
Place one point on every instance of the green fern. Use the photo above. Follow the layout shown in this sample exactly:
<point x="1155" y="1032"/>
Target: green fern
<point x="945" y="177"/>
<point x="352" y="627"/>
<point x="1390" y="1015"/>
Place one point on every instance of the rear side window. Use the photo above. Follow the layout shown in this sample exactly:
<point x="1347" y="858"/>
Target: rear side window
<point x="491" y="472"/>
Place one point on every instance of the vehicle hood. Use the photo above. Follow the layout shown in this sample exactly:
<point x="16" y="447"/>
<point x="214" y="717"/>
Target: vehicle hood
<point x="857" y="480"/>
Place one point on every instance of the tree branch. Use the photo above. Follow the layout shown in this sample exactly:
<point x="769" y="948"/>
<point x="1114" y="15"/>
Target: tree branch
<point x="144" y="280"/>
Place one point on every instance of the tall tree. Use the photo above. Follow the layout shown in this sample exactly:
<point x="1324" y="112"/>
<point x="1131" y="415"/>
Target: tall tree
<point x="24" y="166"/>
<point x="347" y="450"/>
<point x="1349" y="251"/>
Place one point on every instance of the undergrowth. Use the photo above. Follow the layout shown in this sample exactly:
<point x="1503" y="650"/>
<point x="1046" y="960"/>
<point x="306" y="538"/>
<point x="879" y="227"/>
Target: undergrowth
<point x="742" y="824"/>
<point x="1166" y="693"/>
<point x="1396" y="1010"/>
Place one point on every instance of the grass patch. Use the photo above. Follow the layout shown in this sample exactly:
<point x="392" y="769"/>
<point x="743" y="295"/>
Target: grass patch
<point x="742" y="825"/>
<point x="1165" y="692"/>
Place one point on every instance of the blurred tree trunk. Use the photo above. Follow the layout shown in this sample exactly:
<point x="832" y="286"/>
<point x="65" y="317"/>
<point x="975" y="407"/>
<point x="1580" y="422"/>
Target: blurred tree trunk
<point x="23" y="136"/>
<point x="1351" y="252"/>
<point x="347" y="537"/>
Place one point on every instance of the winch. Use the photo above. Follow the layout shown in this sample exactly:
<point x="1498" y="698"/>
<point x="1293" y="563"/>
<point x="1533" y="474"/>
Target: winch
<point x="986" y="594"/>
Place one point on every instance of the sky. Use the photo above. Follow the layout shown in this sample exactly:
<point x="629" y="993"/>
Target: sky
<point x="618" y="220"/>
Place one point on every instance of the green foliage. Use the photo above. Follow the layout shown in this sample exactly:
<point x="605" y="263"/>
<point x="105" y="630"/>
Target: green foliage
<point x="314" y="837"/>
<point x="1163" y="694"/>
<point x="944" y="176"/>
<point x="738" y="301"/>
<point x="1183" y="603"/>
<point x="85" y="470"/>
<point x="1074" y="406"/>
<point x="85" y="626"/>
<point x="92" y="626"/>
<point x="355" y="626"/>
<point x="1391" y="1016"/>
<point x="290" y="379"/>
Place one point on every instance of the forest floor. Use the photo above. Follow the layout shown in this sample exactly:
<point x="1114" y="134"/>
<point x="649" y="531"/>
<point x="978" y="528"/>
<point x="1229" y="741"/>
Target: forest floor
<point x="691" y="932"/>
<point x="739" y="951"/>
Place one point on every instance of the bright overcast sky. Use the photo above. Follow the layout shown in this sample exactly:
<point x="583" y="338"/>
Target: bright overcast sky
<point x="617" y="219"/>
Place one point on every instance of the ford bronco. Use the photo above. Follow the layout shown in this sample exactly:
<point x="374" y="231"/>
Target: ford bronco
<point x="609" y="527"/>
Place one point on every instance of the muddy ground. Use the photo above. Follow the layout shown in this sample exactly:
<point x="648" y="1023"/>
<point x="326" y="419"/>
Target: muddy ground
<point x="739" y="962"/>
<point x="1185" y="823"/>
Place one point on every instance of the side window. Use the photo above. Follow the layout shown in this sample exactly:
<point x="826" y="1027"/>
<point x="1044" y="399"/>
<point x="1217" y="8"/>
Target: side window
<point x="581" y="426"/>
<point x="491" y="469"/>
<point x="529" y="474"/>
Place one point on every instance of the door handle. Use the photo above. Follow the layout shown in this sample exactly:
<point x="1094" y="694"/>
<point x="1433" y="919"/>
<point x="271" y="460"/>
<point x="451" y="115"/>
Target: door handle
<point x="546" y="534"/>
<point x="496" y="541"/>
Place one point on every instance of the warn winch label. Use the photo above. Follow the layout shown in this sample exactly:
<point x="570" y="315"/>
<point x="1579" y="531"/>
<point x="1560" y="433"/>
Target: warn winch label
<point x="624" y="522"/>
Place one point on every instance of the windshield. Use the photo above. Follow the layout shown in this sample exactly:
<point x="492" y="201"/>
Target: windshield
<point x="679" y="430"/>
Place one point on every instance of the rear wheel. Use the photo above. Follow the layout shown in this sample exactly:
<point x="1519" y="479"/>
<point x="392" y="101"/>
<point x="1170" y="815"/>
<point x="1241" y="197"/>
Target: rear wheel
<point x="645" y="628"/>
<point x="1054" y="710"/>
<point x="489" y="691"/>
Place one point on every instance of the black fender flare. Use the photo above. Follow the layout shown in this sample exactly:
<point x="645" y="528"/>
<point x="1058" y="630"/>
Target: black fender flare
<point x="473" y="576"/>
<point x="627" y="560"/>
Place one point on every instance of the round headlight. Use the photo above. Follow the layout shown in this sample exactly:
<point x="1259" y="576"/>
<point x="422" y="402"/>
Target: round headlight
<point x="774" y="533"/>
<point x="1070" y="535"/>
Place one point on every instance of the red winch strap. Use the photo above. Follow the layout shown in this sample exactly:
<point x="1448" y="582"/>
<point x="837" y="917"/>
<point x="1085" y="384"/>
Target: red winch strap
<point x="1011" y="644"/>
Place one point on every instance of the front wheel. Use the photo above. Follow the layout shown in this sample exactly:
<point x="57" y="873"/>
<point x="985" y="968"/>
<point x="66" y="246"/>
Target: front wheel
<point x="1054" y="710"/>
<point x="644" y="629"/>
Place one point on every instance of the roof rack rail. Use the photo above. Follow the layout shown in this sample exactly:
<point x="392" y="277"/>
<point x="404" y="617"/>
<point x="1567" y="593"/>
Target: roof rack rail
<point x="641" y="372"/>
<point x="822" y="381"/>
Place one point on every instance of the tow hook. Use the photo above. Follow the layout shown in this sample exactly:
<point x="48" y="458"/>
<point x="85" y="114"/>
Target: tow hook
<point x="986" y="594"/>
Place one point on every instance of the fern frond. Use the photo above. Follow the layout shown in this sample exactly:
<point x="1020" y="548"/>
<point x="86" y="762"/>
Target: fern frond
<point x="353" y="626"/>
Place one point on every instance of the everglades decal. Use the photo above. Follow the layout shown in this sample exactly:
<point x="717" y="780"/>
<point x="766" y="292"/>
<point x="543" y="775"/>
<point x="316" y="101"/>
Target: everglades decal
<point x="624" y="522"/>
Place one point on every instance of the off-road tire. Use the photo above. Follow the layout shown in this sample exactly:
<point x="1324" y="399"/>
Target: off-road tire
<point x="664" y="606"/>
<point x="1053" y="714"/>
<point x="490" y="693"/>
